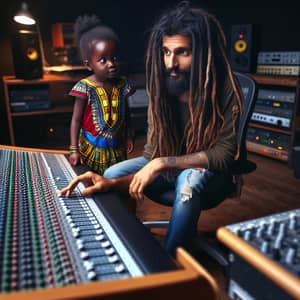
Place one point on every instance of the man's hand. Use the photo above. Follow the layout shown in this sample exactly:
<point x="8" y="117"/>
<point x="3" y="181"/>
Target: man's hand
<point x="93" y="182"/>
<point x="143" y="177"/>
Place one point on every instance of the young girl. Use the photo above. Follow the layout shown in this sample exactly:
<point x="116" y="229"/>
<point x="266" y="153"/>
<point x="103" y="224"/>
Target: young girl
<point x="99" y="126"/>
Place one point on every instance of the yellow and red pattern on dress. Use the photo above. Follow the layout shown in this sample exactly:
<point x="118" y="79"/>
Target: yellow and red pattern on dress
<point x="102" y="140"/>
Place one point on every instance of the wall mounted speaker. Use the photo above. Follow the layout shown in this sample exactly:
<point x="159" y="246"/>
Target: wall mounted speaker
<point x="27" y="54"/>
<point x="244" y="46"/>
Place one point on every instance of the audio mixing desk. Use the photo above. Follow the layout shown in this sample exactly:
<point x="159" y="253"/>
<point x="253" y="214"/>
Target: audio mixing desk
<point x="53" y="247"/>
<point x="264" y="258"/>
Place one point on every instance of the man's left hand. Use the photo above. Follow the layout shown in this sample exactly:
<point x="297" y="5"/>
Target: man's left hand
<point x="143" y="177"/>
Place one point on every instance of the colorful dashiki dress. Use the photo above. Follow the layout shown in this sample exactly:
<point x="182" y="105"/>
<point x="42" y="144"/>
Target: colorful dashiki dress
<point x="102" y="138"/>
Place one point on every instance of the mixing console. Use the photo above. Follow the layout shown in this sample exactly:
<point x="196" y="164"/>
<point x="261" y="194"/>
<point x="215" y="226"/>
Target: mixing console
<point x="48" y="241"/>
<point x="277" y="236"/>
<point x="270" y="245"/>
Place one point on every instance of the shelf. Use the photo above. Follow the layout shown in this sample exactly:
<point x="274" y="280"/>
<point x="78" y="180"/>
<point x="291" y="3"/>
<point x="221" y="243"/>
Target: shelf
<point x="289" y="81"/>
<point x="58" y="86"/>
<point x="47" y="78"/>
<point x="288" y="136"/>
<point x="58" y="109"/>
<point x="274" y="129"/>
<point x="267" y="151"/>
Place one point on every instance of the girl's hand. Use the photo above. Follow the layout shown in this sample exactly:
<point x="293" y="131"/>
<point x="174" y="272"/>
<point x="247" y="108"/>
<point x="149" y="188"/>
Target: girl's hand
<point x="75" y="159"/>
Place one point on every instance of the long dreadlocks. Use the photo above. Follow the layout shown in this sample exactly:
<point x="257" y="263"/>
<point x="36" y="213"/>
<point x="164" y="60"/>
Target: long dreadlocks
<point x="210" y="67"/>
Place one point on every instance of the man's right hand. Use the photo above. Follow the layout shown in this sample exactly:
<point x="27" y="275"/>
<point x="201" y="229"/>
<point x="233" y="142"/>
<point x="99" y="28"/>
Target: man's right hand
<point x="93" y="182"/>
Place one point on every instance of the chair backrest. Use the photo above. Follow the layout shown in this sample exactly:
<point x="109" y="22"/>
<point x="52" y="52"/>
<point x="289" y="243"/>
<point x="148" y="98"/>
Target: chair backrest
<point x="249" y="92"/>
<point x="248" y="87"/>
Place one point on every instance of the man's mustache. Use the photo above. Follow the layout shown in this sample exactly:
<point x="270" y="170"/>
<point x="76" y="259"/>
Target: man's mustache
<point x="175" y="70"/>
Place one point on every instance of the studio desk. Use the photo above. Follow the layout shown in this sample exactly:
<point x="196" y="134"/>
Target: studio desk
<point x="53" y="247"/>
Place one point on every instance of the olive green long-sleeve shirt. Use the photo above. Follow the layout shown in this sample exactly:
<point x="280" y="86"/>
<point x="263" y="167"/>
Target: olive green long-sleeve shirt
<point x="222" y="155"/>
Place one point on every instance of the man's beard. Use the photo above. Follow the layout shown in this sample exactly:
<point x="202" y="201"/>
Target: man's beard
<point x="176" y="86"/>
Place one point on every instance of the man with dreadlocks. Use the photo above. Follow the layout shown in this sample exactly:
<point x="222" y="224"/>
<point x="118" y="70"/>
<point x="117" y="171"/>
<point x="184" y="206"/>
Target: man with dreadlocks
<point x="194" y="107"/>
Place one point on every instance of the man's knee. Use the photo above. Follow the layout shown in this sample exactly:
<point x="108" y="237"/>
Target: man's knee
<point x="190" y="184"/>
<point x="113" y="172"/>
<point x="125" y="167"/>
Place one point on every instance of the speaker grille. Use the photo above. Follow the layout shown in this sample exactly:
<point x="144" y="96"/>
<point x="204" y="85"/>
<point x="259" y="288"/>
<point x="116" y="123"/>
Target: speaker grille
<point x="27" y="55"/>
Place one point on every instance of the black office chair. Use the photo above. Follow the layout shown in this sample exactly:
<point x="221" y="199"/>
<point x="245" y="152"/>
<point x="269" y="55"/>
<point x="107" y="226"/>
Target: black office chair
<point x="244" y="166"/>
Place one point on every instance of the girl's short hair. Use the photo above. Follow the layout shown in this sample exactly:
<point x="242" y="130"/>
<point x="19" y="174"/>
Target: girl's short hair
<point x="88" y="30"/>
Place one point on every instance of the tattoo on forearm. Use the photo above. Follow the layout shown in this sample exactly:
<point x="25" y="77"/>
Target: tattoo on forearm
<point x="188" y="160"/>
<point x="172" y="160"/>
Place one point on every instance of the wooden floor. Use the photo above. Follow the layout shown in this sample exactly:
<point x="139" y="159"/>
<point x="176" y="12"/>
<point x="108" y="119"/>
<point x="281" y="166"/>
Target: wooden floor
<point x="271" y="188"/>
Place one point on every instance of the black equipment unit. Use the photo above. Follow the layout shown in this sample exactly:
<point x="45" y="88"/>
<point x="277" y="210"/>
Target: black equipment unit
<point x="244" y="45"/>
<point x="284" y="58"/>
<point x="28" y="99"/>
<point x="138" y="107"/>
<point x="27" y="54"/>
<point x="273" y="143"/>
<point x="274" y="107"/>
<point x="268" y="138"/>
<point x="264" y="256"/>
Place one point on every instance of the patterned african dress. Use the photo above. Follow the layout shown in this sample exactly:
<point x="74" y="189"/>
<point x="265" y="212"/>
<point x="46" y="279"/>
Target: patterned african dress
<point x="102" y="138"/>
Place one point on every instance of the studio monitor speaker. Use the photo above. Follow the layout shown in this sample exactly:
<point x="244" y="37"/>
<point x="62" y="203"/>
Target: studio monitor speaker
<point x="27" y="54"/>
<point x="244" y="46"/>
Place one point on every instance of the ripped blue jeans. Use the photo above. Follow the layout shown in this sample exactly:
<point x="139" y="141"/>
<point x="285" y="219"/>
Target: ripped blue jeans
<point x="189" y="192"/>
